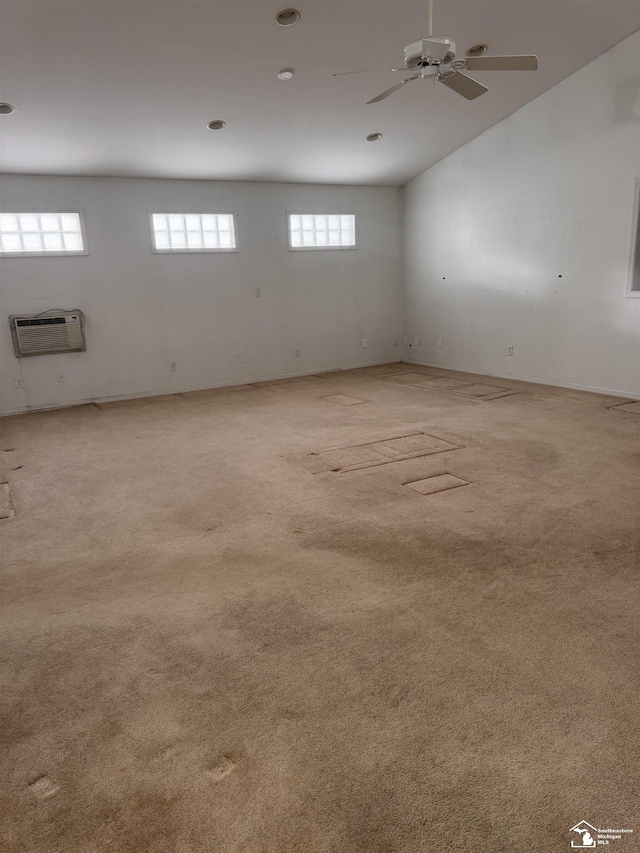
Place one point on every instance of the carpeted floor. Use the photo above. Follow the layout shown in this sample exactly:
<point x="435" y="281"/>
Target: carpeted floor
<point x="208" y="647"/>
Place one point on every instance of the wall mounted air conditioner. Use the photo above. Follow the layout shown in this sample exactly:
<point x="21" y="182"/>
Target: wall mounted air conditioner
<point x="47" y="333"/>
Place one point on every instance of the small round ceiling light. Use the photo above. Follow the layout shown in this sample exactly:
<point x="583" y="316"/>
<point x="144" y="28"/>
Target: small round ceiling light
<point x="287" y="18"/>
<point x="6" y="109"/>
<point x="374" y="137"/>
<point x="477" y="50"/>
<point x="285" y="74"/>
<point x="217" y="124"/>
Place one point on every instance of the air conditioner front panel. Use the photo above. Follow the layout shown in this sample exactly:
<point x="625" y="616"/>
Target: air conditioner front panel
<point x="48" y="333"/>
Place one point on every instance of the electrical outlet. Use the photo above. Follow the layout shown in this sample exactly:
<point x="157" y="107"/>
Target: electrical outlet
<point x="174" y="365"/>
<point x="297" y="353"/>
<point x="395" y="342"/>
<point x="510" y="350"/>
<point x="60" y="376"/>
<point x="417" y="341"/>
<point x="364" y="343"/>
<point x="439" y="343"/>
<point x="19" y="383"/>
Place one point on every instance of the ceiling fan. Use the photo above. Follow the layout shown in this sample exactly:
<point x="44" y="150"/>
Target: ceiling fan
<point x="434" y="58"/>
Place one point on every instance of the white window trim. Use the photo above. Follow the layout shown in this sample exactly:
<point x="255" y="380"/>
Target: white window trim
<point x="203" y="251"/>
<point x="634" y="248"/>
<point x="353" y="213"/>
<point x="5" y="256"/>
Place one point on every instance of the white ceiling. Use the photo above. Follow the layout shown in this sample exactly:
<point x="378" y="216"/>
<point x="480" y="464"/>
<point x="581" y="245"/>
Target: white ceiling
<point x="126" y="87"/>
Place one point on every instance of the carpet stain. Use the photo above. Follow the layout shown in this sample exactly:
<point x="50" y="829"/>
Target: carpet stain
<point x="343" y="400"/>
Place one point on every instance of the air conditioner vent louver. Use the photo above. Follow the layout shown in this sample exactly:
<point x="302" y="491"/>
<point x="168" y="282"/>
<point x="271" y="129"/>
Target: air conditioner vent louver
<point x="47" y="333"/>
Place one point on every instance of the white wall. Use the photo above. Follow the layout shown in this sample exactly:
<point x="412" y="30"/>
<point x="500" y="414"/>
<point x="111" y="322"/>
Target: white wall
<point x="146" y="310"/>
<point x="522" y="238"/>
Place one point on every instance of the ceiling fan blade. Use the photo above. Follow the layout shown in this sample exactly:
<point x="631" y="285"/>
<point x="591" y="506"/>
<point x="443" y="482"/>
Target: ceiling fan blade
<point x="463" y="85"/>
<point x="525" y="62"/>
<point x="393" y="89"/>
<point x="368" y="71"/>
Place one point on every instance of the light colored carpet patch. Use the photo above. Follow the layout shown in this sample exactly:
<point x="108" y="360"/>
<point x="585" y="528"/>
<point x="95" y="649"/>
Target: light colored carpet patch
<point x="457" y="386"/>
<point x="420" y="443"/>
<point x="6" y="502"/>
<point x="405" y="378"/>
<point x="374" y="453"/>
<point x="343" y="400"/>
<point x="480" y="390"/>
<point x="136" y="401"/>
<point x="441" y="383"/>
<point x="507" y="392"/>
<point x="441" y="483"/>
<point x="633" y="408"/>
<point x="43" y="788"/>
<point x="350" y="457"/>
<point x="221" y="768"/>
<point x="203" y="391"/>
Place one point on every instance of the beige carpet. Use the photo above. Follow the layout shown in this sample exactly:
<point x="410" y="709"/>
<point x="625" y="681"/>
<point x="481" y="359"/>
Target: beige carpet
<point x="208" y="647"/>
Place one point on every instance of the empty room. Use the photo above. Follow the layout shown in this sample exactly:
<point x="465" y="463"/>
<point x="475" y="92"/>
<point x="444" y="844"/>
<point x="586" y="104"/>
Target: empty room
<point x="319" y="426"/>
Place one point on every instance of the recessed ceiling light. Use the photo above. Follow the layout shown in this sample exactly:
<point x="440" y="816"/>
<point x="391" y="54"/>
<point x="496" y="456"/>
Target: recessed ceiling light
<point x="288" y="17"/>
<point x="217" y="124"/>
<point x="477" y="50"/>
<point x="285" y="74"/>
<point x="374" y="137"/>
<point x="6" y="109"/>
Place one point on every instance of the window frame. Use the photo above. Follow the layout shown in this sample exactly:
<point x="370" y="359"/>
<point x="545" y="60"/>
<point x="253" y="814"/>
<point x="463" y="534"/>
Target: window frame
<point x="633" y="282"/>
<point x="53" y="253"/>
<point x="290" y="213"/>
<point x="196" y="251"/>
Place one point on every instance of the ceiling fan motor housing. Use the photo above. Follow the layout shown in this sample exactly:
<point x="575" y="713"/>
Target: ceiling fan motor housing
<point x="430" y="51"/>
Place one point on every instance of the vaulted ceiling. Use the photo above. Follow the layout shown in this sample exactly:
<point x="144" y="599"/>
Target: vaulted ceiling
<point x="127" y="87"/>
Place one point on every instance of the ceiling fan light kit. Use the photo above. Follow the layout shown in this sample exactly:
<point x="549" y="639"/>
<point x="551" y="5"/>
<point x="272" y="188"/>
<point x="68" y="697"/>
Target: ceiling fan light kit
<point x="425" y="52"/>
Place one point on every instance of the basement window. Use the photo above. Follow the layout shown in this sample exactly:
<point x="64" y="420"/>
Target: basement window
<point x="634" y="260"/>
<point x="194" y="232"/>
<point x="36" y="234"/>
<point x="322" y="231"/>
